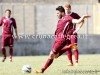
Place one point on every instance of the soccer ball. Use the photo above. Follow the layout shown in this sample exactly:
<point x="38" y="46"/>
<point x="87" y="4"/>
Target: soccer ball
<point x="26" y="69"/>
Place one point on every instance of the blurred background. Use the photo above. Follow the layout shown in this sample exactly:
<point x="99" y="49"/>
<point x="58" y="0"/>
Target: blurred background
<point x="36" y="21"/>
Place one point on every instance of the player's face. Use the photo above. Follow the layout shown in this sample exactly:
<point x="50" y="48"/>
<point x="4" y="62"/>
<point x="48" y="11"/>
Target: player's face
<point x="59" y="14"/>
<point x="67" y="9"/>
<point x="8" y="14"/>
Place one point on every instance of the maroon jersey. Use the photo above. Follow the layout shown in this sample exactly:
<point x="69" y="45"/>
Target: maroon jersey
<point x="62" y="25"/>
<point x="59" y="41"/>
<point x="75" y="15"/>
<point x="71" y="27"/>
<point x="7" y="25"/>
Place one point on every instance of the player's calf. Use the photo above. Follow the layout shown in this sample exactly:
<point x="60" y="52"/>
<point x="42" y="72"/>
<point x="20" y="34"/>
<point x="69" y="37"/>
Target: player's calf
<point x="11" y="53"/>
<point x="4" y="54"/>
<point x="76" y="53"/>
<point x="47" y="64"/>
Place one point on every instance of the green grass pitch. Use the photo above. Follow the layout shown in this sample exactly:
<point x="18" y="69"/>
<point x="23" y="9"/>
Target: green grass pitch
<point x="88" y="65"/>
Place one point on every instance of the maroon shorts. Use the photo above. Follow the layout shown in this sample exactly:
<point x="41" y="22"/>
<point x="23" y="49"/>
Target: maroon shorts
<point x="72" y="39"/>
<point x="59" y="43"/>
<point x="7" y="41"/>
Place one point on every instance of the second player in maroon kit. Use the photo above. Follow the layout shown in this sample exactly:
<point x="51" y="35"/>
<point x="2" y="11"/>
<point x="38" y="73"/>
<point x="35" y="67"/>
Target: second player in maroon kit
<point x="60" y="43"/>
<point x="73" y="35"/>
<point x="8" y="24"/>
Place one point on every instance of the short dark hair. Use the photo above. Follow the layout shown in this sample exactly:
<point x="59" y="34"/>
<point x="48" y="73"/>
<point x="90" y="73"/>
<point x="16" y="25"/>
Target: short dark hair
<point x="8" y="10"/>
<point x="60" y="8"/>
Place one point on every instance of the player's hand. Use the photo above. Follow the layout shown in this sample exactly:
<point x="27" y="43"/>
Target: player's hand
<point x="86" y="16"/>
<point x="16" y="37"/>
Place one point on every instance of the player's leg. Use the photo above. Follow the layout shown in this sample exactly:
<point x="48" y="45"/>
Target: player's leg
<point x="4" y="54"/>
<point x="4" y="41"/>
<point x="59" y="48"/>
<point x="60" y="53"/>
<point x="63" y="50"/>
<point x="11" y="47"/>
<point x="75" y="47"/>
<point x="47" y="64"/>
<point x="58" y="45"/>
<point x="49" y="61"/>
<point x="11" y="53"/>
<point x="66" y="49"/>
<point x="76" y="53"/>
<point x="53" y="54"/>
<point x="69" y="54"/>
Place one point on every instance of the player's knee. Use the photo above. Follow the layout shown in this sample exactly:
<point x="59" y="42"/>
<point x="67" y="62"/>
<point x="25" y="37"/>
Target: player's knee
<point x="51" y="56"/>
<point x="74" y="47"/>
<point x="56" y="56"/>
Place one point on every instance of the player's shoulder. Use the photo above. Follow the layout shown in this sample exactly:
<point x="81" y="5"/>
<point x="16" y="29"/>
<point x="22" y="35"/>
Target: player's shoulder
<point x="74" y="13"/>
<point x="3" y="17"/>
<point x="13" y="19"/>
<point x="67" y="17"/>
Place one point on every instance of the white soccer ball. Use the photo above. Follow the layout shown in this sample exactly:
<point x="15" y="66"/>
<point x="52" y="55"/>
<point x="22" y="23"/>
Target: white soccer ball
<point x="26" y="69"/>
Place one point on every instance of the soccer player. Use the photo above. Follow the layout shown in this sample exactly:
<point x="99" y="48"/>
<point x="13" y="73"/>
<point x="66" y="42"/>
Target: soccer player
<point x="60" y="43"/>
<point x="8" y="23"/>
<point x="73" y="35"/>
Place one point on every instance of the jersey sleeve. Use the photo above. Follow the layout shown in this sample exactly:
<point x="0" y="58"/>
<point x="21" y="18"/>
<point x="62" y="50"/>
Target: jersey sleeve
<point x="14" y="23"/>
<point x="68" y="19"/>
<point x="77" y="16"/>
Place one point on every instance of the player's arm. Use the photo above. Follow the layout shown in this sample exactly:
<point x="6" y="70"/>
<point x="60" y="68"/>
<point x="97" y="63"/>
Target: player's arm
<point x="1" y="21"/>
<point x="79" y="27"/>
<point x="15" y="28"/>
<point x="78" y="21"/>
<point x="16" y="33"/>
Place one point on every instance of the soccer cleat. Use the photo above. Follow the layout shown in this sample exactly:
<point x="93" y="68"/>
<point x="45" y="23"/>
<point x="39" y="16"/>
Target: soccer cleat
<point x="3" y="60"/>
<point x="70" y="64"/>
<point x="10" y="60"/>
<point x="38" y="71"/>
<point x="76" y="64"/>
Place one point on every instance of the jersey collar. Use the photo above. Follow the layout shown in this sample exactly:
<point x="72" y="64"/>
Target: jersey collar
<point x="7" y="17"/>
<point x="69" y="13"/>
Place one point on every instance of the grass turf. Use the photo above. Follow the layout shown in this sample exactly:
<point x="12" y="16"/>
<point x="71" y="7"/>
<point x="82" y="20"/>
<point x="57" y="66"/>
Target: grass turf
<point x="88" y="65"/>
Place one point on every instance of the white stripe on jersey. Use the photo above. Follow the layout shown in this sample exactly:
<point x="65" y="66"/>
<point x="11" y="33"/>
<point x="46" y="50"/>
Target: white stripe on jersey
<point x="2" y="28"/>
<point x="65" y="27"/>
